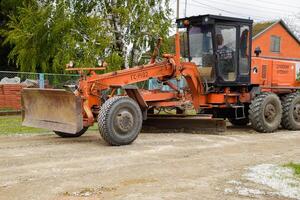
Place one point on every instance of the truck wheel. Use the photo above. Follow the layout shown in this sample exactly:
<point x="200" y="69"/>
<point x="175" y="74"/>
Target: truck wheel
<point x="239" y="122"/>
<point x="291" y="111"/>
<point x="120" y="120"/>
<point x="70" y="135"/>
<point x="265" y="112"/>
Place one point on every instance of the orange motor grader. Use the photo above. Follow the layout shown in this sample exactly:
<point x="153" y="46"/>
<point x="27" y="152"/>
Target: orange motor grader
<point x="222" y="80"/>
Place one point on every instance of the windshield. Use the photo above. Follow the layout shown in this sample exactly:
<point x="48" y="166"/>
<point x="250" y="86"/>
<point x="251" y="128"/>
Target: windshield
<point x="201" y="50"/>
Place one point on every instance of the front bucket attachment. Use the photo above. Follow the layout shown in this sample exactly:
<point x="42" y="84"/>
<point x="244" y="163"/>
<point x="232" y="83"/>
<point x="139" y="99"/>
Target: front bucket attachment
<point x="53" y="109"/>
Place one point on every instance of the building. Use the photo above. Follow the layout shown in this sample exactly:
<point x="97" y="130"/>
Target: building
<point x="276" y="40"/>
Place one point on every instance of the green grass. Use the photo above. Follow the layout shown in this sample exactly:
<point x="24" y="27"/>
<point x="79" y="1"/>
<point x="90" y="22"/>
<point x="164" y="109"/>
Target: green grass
<point x="94" y="127"/>
<point x="295" y="167"/>
<point x="12" y="125"/>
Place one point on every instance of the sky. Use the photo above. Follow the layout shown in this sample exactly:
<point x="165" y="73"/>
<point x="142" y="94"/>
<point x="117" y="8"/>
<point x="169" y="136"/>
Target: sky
<point x="258" y="10"/>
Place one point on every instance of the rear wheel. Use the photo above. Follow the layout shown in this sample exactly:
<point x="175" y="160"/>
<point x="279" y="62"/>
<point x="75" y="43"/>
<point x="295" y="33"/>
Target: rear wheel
<point x="265" y="112"/>
<point x="120" y="120"/>
<point x="291" y="111"/>
<point x="70" y="135"/>
<point x="239" y="122"/>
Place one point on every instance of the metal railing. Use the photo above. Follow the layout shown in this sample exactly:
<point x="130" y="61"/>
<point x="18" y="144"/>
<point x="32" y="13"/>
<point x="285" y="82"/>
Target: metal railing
<point x="42" y="80"/>
<point x="10" y="95"/>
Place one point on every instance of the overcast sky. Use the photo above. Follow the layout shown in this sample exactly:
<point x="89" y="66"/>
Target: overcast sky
<point x="258" y="10"/>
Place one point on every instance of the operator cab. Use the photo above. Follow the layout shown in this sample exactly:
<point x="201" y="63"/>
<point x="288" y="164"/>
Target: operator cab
<point x="220" y="46"/>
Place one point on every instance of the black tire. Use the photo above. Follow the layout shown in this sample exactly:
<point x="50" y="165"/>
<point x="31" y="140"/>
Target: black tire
<point x="120" y="120"/>
<point x="291" y="111"/>
<point x="70" y="135"/>
<point x="265" y="112"/>
<point x="239" y="122"/>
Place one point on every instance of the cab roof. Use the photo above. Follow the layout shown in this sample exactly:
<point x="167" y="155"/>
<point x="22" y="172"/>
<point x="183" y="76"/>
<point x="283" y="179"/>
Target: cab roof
<point x="210" y="19"/>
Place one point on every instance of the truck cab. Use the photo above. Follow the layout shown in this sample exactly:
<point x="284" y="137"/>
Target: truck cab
<point x="219" y="46"/>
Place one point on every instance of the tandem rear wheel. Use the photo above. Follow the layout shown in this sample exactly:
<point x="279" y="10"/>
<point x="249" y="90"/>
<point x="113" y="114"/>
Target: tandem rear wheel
<point x="291" y="111"/>
<point x="120" y="120"/>
<point x="265" y="112"/>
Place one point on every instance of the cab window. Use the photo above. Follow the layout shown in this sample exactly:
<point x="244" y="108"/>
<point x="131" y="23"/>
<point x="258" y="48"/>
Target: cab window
<point x="226" y="51"/>
<point x="244" y="50"/>
<point x="201" y="50"/>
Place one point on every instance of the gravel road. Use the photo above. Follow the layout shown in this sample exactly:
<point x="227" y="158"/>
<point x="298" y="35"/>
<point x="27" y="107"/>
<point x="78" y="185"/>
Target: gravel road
<point x="155" y="166"/>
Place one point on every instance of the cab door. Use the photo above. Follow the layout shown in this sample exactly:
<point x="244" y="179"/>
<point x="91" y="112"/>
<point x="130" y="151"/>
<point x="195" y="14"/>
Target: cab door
<point x="232" y="44"/>
<point x="226" y="46"/>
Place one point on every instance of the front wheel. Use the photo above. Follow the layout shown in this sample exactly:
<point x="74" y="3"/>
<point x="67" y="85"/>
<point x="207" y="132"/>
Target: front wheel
<point x="70" y="135"/>
<point x="120" y="120"/>
<point x="265" y="112"/>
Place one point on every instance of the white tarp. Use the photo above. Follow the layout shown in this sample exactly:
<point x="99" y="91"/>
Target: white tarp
<point x="14" y="80"/>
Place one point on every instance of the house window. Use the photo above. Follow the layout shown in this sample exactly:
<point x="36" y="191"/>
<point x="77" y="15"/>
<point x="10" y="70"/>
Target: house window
<point x="275" y="44"/>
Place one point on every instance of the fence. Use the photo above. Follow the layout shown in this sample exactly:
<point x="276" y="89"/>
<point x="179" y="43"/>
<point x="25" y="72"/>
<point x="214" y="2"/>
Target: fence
<point x="11" y="84"/>
<point x="42" y="80"/>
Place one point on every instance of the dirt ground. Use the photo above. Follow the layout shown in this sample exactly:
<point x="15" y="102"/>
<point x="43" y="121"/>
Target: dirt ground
<point x="155" y="166"/>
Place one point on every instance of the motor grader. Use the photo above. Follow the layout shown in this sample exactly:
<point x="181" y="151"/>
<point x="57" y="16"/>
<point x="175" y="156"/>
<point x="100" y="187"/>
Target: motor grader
<point x="222" y="80"/>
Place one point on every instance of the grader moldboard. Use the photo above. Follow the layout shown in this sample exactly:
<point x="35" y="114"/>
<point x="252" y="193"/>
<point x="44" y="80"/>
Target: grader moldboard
<point x="222" y="81"/>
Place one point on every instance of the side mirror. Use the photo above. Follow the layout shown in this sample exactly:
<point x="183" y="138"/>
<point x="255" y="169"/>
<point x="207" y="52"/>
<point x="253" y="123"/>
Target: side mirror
<point x="257" y="51"/>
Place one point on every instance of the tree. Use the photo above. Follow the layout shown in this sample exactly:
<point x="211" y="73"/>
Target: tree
<point x="48" y="34"/>
<point x="7" y="8"/>
<point x="291" y="21"/>
<point x="135" y="25"/>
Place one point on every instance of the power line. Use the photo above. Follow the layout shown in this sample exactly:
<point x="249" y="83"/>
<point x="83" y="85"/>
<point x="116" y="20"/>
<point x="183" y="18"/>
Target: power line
<point x="256" y="8"/>
<point x="199" y="4"/>
<point x="270" y="5"/>
<point x="238" y="14"/>
<point x="215" y="8"/>
<point x="279" y="4"/>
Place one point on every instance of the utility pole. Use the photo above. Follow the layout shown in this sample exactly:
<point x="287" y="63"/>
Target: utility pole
<point x="177" y="11"/>
<point x="185" y="5"/>
<point x="177" y="14"/>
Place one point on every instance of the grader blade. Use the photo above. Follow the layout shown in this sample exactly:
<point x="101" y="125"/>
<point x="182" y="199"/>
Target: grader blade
<point x="183" y="123"/>
<point x="54" y="109"/>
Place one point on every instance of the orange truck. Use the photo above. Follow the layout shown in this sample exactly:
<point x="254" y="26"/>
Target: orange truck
<point x="222" y="79"/>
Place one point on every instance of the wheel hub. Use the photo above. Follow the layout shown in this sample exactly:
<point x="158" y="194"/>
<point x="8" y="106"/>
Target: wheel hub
<point x="296" y="112"/>
<point x="124" y="121"/>
<point x="270" y="112"/>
